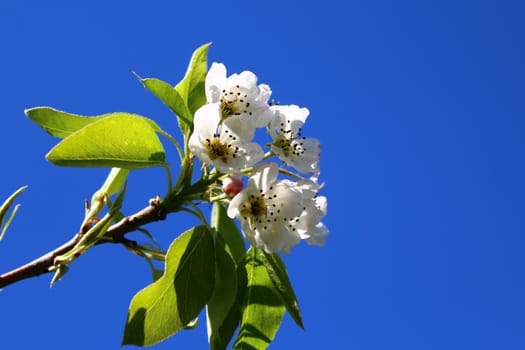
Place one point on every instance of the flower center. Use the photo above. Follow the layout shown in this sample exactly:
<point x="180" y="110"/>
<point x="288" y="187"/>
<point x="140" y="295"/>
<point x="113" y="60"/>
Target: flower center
<point x="218" y="150"/>
<point x="284" y="144"/>
<point x="254" y="209"/>
<point x="233" y="102"/>
<point x="288" y="142"/>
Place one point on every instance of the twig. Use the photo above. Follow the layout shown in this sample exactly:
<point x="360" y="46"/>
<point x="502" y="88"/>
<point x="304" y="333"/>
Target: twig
<point x="115" y="234"/>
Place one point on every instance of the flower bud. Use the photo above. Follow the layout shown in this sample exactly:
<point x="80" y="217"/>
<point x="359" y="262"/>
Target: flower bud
<point x="231" y="186"/>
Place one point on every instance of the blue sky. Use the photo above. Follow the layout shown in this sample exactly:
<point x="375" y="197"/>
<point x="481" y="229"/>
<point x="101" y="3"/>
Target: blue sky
<point x="419" y="108"/>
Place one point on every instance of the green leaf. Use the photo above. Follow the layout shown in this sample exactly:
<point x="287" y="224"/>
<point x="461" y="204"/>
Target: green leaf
<point x="121" y="140"/>
<point x="223" y="312"/>
<point x="171" y="98"/>
<point x="5" y="208"/>
<point x="191" y="87"/>
<point x="277" y="272"/>
<point x="156" y="274"/>
<point x="226" y="228"/>
<point x="263" y="309"/>
<point x="166" y="306"/>
<point x="60" y="124"/>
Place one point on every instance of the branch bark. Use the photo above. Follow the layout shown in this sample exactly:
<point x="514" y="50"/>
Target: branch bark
<point x="115" y="234"/>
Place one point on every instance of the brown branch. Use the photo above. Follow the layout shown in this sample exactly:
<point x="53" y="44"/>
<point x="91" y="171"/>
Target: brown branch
<point x="115" y="234"/>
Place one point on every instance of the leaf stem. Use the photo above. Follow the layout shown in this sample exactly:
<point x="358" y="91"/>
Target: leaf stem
<point x="197" y="212"/>
<point x="268" y="154"/>
<point x="175" y="143"/>
<point x="168" y="175"/>
<point x="289" y="173"/>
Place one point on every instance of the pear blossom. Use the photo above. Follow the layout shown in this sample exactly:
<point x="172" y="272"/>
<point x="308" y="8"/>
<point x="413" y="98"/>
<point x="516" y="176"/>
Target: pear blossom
<point x="219" y="145"/>
<point x="288" y="144"/>
<point x="242" y="103"/>
<point x="265" y="208"/>
<point x="308" y="224"/>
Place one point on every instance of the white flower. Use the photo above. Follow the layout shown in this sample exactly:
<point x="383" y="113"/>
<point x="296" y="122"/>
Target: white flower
<point x="219" y="145"/>
<point x="288" y="144"/>
<point x="265" y="209"/>
<point x="317" y="235"/>
<point x="308" y="223"/>
<point x="243" y="105"/>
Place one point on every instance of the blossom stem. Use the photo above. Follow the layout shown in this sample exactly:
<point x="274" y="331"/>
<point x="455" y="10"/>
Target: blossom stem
<point x="152" y="254"/>
<point x="289" y="173"/>
<point x="218" y="198"/>
<point x="268" y="154"/>
<point x="247" y="171"/>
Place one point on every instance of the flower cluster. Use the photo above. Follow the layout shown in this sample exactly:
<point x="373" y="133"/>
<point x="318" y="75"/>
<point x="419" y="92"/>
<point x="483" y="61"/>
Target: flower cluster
<point x="275" y="214"/>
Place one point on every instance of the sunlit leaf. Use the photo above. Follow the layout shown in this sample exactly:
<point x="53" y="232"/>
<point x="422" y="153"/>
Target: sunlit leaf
<point x="263" y="309"/>
<point x="172" y="302"/>
<point x="191" y="87"/>
<point x="121" y="140"/>
<point x="156" y="274"/>
<point x="58" y="123"/>
<point x="171" y="98"/>
<point x="223" y="312"/>
<point x="277" y="272"/>
<point x="226" y="228"/>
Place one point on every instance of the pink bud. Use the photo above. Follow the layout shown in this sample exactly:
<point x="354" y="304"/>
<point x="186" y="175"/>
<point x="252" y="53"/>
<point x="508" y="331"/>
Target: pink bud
<point x="231" y="186"/>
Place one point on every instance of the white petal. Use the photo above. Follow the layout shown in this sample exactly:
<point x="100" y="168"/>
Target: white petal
<point x="229" y="167"/>
<point x="261" y="114"/>
<point x="311" y="146"/>
<point x="306" y="162"/>
<point x="236" y="202"/>
<point x="215" y="82"/>
<point x="252" y="152"/>
<point x="304" y="158"/>
<point x="198" y="148"/>
<point x="264" y="175"/>
<point x="206" y="120"/>
<point x="287" y="199"/>
<point x="277" y="237"/>
<point x="247" y="155"/>
<point x="280" y="153"/>
<point x="309" y="187"/>
<point x="204" y="127"/>
<point x="289" y="117"/>
<point x="264" y="93"/>
<point x="239" y="126"/>
<point x="322" y="203"/>
<point x="309" y="218"/>
<point x="250" y="234"/>
<point x="246" y="81"/>
<point x="318" y="235"/>
<point x="257" y="115"/>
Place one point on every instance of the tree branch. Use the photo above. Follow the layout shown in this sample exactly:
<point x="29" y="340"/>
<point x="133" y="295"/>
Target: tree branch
<point x="115" y="234"/>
